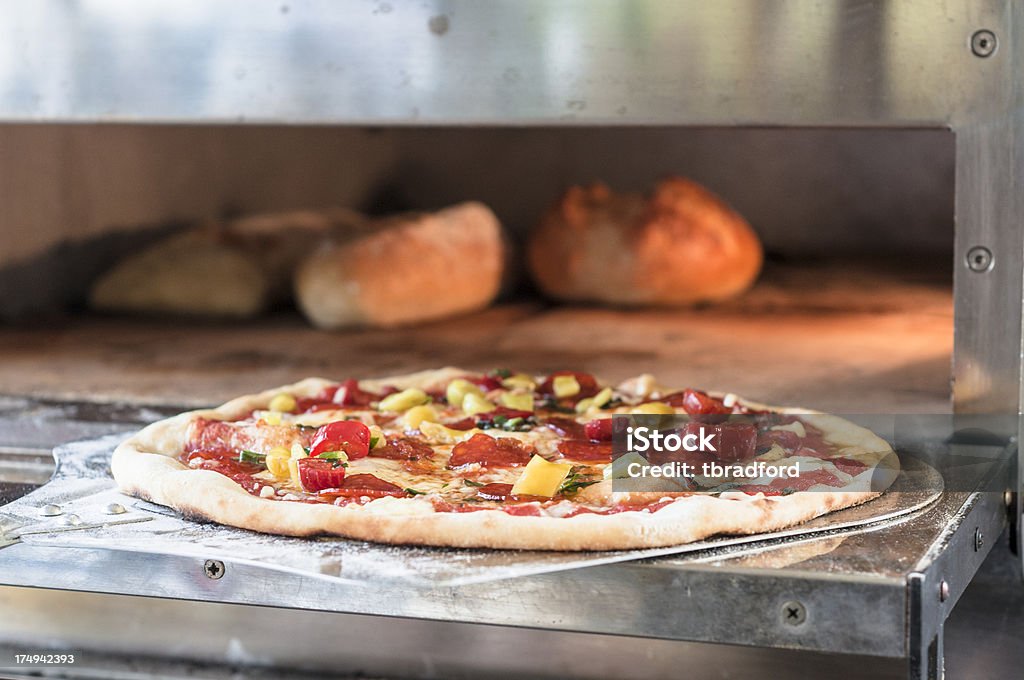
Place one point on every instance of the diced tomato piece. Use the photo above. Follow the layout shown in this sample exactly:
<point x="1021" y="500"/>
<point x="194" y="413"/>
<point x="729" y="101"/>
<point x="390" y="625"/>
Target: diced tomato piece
<point x="700" y="405"/>
<point x="490" y="451"/>
<point x="350" y="436"/>
<point x="734" y="441"/>
<point x="463" y="424"/>
<point x="349" y="394"/>
<point x="588" y="384"/>
<point x="484" y="382"/>
<point x="316" y="474"/>
<point x="599" y="430"/>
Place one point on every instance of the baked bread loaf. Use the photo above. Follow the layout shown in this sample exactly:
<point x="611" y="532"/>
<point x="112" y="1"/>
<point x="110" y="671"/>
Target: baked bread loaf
<point x="226" y="269"/>
<point x="679" y="246"/>
<point x="409" y="268"/>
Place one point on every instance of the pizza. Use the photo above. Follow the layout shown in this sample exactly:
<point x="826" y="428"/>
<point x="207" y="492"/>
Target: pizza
<point x="493" y="460"/>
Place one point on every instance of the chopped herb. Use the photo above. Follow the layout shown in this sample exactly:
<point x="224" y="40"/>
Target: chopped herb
<point x="470" y="482"/>
<point x="613" y="403"/>
<point x="414" y="492"/>
<point x="338" y="464"/>
<point x="307" y="428"/>
<point x="499" y="420"/>
<point x="373" y="440"/>
<point x="501" y="373"/>
<point x="445" y="485"/>
<point x="513" y="423"/>
<point x="247" y="456"/>
<point x="574" y="482"/>
<point x="306" y="449"/>
<point x="333" y="455"/>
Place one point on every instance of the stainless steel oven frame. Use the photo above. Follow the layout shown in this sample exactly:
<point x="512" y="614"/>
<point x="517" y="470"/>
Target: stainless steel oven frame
<point x="747" y="63"/>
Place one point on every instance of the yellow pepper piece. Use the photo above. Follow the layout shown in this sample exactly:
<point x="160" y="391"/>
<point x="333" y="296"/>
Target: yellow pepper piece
<point x="653" y="408"/>
<point x="277" y="462"/>
<point x="597" y="401"/>
<point x="474" y="403"/>
<point x="565" y="386"/>
<point x="439" y="434"/>
<point x="270" y="417"/>
<point x="404" y="400"/>
<point x="519" y="381"/>
<point x="541" y="478"/>
<point x="283" y="403"/>
<point x="457" y="390"/>
<point x="520" y="401"/>
<point x="417" y="414"/>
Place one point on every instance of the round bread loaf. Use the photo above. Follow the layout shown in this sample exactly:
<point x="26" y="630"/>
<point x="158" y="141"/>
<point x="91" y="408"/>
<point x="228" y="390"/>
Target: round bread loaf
<point x="680" y="246"/>
<point x="410" y="268"/>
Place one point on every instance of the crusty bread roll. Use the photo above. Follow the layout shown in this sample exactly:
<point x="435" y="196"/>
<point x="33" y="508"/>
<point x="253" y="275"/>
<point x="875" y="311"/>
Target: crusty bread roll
<point x="410" y="268"/>
<point x="680" y="246"/>
<point x="227" y="269"/>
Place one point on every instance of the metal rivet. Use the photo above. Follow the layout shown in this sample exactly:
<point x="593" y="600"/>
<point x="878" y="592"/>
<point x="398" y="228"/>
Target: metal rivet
<point x="979" y="259"/>
<point x="213" y="569"/>
<point x="984" y="43"/>
<point x="979" y="539"/>
<point x="115" y="509"/>
<point x="72" y="520"/>
<point x="1007" y="498"/>
<point x="50" y="510"/>
<point x="943" y="591"/>
<point x="793" y="613"/>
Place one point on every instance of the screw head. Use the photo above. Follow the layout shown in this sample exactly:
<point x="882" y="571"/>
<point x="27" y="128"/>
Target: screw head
<point x="213" y="569"/>
<point x="72" y="520"/>
<point x="979" y="539"/>
<point x="943" y="591"/>
<point x="114" y="509"/>
<point x="979" y="259"/>
<point x="984" y="43"/>
<point x="793" y="613"/>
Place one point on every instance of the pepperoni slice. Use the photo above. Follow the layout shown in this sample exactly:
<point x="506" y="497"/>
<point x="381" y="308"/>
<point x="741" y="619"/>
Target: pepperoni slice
<point x="402" y="448"/>
<point x="784" y="438"/>
<point x="588" y="384"/>
<point x="364" y="485"/>
<point x="566" y="427"/>
<point x="848" y="465"/>
<point x="503" y="492"/>
<point x="490" y="452"/>
<point x="580" y="449"/>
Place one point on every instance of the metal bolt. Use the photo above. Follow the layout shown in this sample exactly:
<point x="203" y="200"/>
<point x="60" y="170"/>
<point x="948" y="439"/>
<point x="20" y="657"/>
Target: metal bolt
<point x="50" y="510"/>
<point x="1008" y="498"/>
<point x="213" y="569"/>
<point x="793" y="613"/>
<point x="984" y="43"/>
<point x="114" y="509"/>
<point x="72" y="520"/>
<point x="979" y="259"/>
<point x="943" y="591"/>
<point x="979" y="539"/>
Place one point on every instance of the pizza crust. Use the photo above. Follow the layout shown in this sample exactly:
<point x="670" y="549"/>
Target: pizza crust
<point x="145" y="465"/>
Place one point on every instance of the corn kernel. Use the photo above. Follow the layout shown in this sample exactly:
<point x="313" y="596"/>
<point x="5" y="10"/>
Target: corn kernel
<point x="565" y="386"/>
<point x="270" y="417"/>
<point x="404" y="400"/>
<point x="417" y="414"/>
<point x="283" y="403"/>
<point x="458" y="389"/>
<point x="653" y="408"/>
<point x="520" y="401"/>
<point x="297" y="451"/>
<point x="519" y="381"/>
<point x="474" y="403"/>
<point x="277" y="462"/>
<point x="584" y="405"/>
